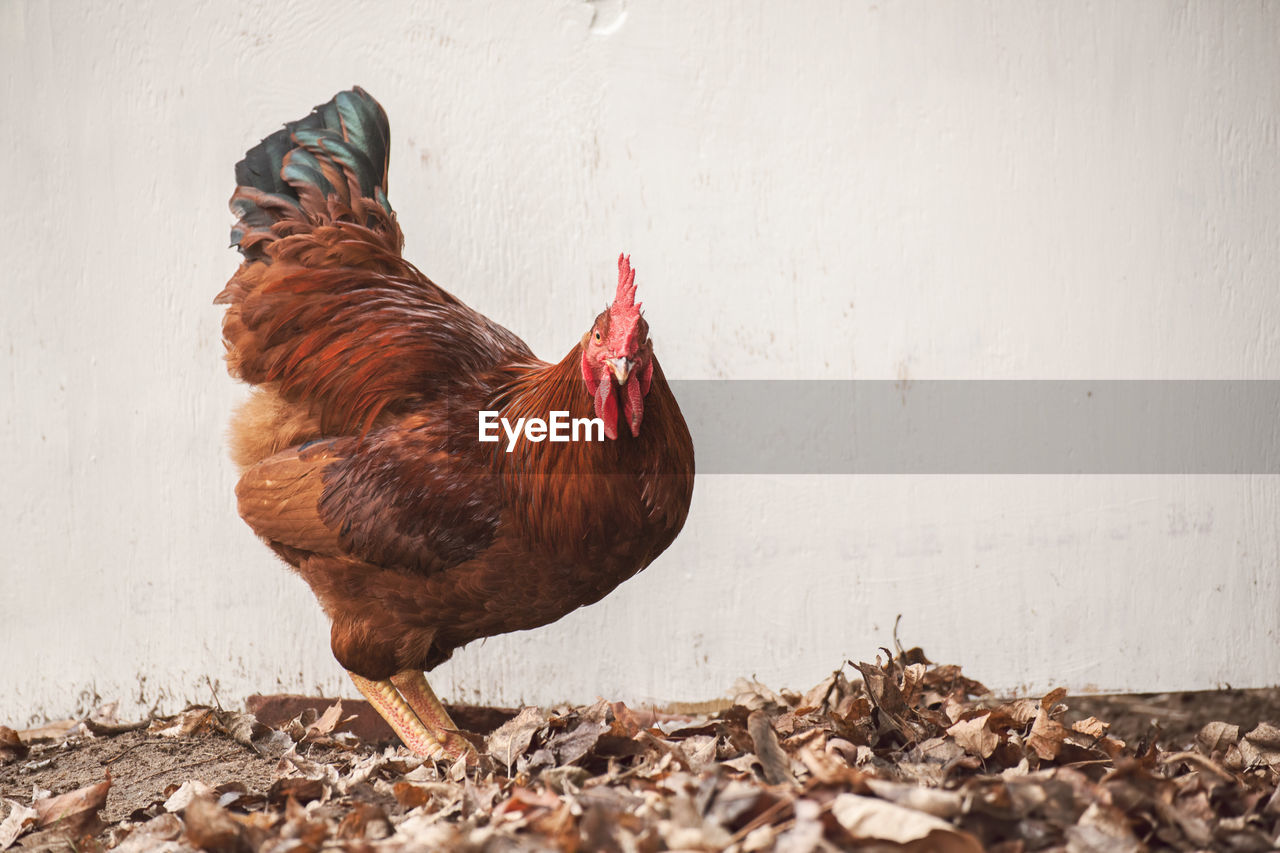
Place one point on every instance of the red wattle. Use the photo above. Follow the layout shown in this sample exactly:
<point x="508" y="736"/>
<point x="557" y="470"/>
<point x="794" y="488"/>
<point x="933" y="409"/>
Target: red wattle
<point x="633" y="404"/>
<point x="607" y="408"/>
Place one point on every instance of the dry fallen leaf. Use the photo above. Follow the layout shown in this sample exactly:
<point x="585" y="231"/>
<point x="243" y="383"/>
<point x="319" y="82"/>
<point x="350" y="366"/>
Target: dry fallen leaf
<point x="296" y="787"/>
<point x="806" y="830"/>
<point x="326" y="722"/>
<point x="1104" y="827"/>
<point x="188" y="791"/>
<point x="1217" y="737"/>
<point x="74" y="814"/>
<point x="933" y="801"/>
<point x="185" y="724"/>
<point x="245" y="729"/>
<point x="1261" y="747"/>
<point x="1047" y="734"/>
<point x="974" y="736"/>
<point x="513" y="737"/>
<point x="581" y="736"/>
<point x="1090" y="727"/>
<point x="776" y="764"/>
<point x="11" y="746"/>
<point x="20" y="819"/>
<point x="293" y="763"/>
<point x="53" y="731"/>
<point x="521" y="801"/>
<point x="753" y="695"/>
<point x="104" y="721"/>
<point x="211" y="828"/>
<point x="870" y="819"/>
<point x="365" y="822"/>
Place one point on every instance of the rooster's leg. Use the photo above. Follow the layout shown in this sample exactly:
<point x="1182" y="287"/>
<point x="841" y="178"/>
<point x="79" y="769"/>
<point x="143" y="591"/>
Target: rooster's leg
<point x="422" y="699"/>
<point x="388" y="702"/>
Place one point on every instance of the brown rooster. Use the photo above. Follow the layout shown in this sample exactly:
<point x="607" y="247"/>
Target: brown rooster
<point x="360" y="451"/>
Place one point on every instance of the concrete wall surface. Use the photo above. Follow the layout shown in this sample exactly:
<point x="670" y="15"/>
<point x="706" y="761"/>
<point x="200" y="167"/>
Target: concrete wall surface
<point x="819" y="190"/>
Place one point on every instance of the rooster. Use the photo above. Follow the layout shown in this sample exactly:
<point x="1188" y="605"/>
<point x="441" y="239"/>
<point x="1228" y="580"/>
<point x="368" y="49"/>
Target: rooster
<point x="359" y="451"/>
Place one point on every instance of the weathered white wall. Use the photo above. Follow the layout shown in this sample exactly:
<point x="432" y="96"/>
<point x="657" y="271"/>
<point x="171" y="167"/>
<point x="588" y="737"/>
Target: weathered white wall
<point x="815" y="190"/>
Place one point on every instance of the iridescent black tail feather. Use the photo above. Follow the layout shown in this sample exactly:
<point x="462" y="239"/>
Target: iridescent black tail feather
<point x="341" y="149"/>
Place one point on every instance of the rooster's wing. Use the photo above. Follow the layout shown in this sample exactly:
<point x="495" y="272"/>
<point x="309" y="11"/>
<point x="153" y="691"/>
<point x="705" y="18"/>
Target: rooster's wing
<point x="398" y="499"/>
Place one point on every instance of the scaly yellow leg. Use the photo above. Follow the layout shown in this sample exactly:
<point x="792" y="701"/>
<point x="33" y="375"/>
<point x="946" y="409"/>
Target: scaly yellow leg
<point x="384" y="698"/>
<point x="413" y="686"/>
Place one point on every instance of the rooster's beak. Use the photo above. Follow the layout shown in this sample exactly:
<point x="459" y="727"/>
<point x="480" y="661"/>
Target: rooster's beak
<point x="621" y="368"/>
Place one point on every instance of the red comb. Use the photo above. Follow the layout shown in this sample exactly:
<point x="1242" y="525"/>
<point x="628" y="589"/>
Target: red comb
<point x="626" y="295"/>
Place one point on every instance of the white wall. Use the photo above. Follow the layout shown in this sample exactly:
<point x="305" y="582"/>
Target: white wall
<point x="818" y="190"/>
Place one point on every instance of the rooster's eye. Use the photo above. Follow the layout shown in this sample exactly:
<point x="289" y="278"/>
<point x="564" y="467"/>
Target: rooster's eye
<point x="597" y="336"/>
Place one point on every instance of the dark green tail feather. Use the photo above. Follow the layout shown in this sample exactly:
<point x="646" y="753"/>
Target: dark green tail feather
<point x="351" y="130"/>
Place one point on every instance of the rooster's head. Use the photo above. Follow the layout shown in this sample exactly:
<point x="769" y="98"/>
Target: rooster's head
<point x="617" y="357"/>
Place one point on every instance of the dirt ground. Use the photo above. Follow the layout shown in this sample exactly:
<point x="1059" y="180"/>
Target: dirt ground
<point x="894" y="755"/>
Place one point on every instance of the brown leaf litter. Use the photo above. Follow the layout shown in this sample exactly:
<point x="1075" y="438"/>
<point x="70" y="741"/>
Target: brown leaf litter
<point x="898" y="754"/>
